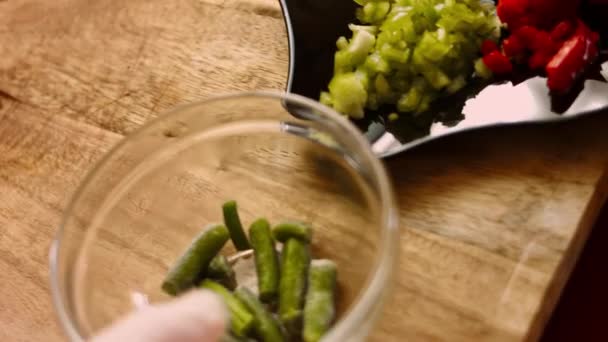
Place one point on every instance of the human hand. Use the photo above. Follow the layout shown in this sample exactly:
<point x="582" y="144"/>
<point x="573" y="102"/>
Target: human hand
<point x="199" y="316"/>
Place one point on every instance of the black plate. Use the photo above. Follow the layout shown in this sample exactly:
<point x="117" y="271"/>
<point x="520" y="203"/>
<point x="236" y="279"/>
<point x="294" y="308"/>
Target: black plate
<point x="315" y="25"/>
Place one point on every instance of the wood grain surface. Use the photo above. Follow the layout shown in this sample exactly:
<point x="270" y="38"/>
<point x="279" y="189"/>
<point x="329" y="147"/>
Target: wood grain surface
<point x="492" y="221"/>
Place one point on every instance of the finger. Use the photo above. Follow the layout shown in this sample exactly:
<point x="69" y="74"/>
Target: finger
<point x="198" y="316"/>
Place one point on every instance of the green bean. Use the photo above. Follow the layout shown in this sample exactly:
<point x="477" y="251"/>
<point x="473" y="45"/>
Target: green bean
<point x="265" y="326"/>
<point x="221" y="271"/>
<point x="233" y="222"/>
<point x="319" y="308"/>
<point x="194" y="262"/>
<point x="241" y="319"/>
<point x="292" y="287"/>
<point x="293" y="229"/>
<point x="266" y="260"/>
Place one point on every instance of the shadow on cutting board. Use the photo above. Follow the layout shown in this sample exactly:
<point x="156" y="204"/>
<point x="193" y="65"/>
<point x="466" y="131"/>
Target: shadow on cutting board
<point x="582" y="312"/>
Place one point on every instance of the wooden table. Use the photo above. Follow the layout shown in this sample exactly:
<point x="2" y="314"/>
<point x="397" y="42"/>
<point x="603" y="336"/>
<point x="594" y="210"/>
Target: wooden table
<point x="492" y="221"/>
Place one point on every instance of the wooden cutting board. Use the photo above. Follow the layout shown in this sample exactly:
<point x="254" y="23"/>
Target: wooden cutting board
<point x="492" y="221"/>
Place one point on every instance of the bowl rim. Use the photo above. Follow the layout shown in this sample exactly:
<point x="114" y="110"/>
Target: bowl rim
<point x="366" y="305"/>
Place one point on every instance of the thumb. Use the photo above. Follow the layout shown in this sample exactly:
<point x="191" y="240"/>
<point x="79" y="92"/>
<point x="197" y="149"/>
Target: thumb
<point x="197" y="316"/>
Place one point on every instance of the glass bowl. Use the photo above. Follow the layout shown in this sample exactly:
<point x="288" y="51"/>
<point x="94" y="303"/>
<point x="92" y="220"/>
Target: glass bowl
<point x="280" y="156"/>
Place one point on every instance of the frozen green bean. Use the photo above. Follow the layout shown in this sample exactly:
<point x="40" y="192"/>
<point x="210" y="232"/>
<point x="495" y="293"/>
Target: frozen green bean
<point x="293" y="229"/>
<point x="266" y="327"/>
<point x="266" y="259"/>
<point x="319" y="308"/>
<point x="233" y="222"/>
<point x="241" y="319"/>
<point x="194" y="262"/>
<point x="221" y="271"/>
<point x="292" y="287"/>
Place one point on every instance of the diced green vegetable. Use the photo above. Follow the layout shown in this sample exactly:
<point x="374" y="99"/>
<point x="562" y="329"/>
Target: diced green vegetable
<point x="407" y="42"/>
<point x="232" y="338"/>
<point x="373" y="12"/>
<point x="348" y="94"/>
<point x="482" y="70"/>
<point x="456" y="84"/>
<point x="355" y="52"/>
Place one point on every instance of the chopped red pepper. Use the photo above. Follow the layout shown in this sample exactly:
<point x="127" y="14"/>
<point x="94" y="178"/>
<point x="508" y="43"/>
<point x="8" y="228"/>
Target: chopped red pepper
<point x="498" y="63"/>
<point x="544" y="34"/>
<point x="534" y="40"/>
<point x="572" y="58"/>
<point x="488" y="46"/>
<point x="542" y="41"/>
<point x="539" y="60"/>
<point x="538" y="13"/>
<point x="562" y="31"/>
<point x="513" y="12"/>
<point x="561" y="70"/>
<point x="513" y="46"/>
<point x="527" y="35"/>
<point x="550" y="12"/>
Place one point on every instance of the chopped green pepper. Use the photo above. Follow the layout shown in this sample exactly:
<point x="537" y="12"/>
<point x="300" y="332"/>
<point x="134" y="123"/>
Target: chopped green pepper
<point x="407" y="42"/>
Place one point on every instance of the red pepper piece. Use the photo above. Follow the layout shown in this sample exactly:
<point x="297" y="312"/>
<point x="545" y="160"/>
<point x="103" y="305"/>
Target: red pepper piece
<point x="513" y="46"/>
<point x="536" y="40"/>
<point x="544" y="14"/>
<point x="488" y="46"/>
<point x="595" y="37"/>
<point x="548" y="13"/>
<point x="539" y="60"/>
<point x="498" y="63"/>
<point x="511" y="12"/>
<point x="563" y="67"/>
<point x="542" y="42"/>
<point x="562" y="31"/>
<point x="527" y="35"/>
<point x="592" y="38"/>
